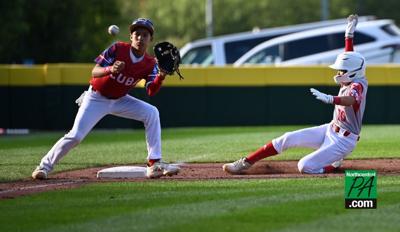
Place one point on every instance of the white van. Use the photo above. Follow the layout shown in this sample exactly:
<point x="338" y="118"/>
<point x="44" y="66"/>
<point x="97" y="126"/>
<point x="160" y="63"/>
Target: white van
<point x="377" y="40"/>
<point x="227" y="49"/>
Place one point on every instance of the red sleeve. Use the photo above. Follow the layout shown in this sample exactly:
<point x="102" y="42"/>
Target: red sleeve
<point x="154" y="86"/>
<point x="348" y="45"/>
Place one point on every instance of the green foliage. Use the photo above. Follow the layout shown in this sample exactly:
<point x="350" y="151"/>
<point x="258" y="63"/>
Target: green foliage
<point x="75" y="31"/>
<point x="178" y="21"/>
<point x="54" y="31"/>
<point x="308" y="204"/>
<point x="12" y="32"/>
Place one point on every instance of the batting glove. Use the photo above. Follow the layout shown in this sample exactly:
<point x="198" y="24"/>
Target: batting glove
<point x="328" y="99"/>
<point x="352" y="21"/>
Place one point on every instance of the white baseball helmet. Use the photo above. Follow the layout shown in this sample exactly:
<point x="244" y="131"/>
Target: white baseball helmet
<point x="353" y="63"/>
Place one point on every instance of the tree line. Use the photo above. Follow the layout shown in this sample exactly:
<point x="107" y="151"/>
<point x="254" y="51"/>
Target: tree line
<point x="51" y="31"/>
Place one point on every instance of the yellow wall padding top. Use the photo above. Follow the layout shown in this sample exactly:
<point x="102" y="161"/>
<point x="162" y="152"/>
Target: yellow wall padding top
<point x="79" y="74"/>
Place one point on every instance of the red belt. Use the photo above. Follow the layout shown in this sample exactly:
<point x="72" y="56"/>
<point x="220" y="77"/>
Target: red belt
<point x="345" y="133"/>
<point x="337" y="130"/>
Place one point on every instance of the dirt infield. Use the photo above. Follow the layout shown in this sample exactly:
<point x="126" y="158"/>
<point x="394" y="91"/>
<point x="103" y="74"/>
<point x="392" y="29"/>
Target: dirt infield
<point x="192" y="171"/>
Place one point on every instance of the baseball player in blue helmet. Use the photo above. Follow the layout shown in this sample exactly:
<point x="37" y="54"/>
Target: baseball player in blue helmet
<point x="117" y="70"/>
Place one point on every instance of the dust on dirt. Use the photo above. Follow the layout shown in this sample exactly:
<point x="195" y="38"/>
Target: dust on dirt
<point x="192" y="171"/>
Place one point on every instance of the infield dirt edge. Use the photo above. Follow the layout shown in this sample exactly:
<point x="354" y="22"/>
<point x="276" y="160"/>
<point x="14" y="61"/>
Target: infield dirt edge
<point x="269" y="169"/>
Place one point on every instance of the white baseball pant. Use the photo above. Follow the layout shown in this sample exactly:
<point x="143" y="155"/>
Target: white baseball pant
<point x="330" y="146"/>
<point x="93" y="108"/>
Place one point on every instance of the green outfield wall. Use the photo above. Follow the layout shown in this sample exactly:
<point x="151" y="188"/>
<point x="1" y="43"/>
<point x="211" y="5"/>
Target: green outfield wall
<point x="43" y="96"/>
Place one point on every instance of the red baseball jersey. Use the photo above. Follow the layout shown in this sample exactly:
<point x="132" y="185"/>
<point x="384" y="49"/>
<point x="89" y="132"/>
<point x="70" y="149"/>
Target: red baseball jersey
<point x="117" y="85"/>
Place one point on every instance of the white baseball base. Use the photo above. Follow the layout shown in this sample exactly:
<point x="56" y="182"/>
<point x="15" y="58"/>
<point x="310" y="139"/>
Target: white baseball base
<point x="122" y="172"/>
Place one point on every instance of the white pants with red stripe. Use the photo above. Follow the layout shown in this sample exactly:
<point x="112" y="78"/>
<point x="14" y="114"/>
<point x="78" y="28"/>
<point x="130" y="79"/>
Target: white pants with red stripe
<point x="93" y="108"/>
<point x="330" y="146"/>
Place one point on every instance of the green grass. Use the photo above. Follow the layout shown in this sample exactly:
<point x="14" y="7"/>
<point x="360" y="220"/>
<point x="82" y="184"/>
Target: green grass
<point x="311" y="204"/>
<point x="20" y="154"/>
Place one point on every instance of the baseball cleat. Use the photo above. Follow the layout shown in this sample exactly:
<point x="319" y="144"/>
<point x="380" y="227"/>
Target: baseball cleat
<point x="237" y="167"/>
<point x="333" y="167"/>
<point x="39" y="173"/>
<point x="159" y="169"/>
<point x="337" y="164"/>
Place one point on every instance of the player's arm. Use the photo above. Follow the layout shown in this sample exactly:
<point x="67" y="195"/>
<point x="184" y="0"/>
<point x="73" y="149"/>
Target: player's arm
<point x="154" y="81"/>
<point x="336" y="100"/>
<point x="106" y="63"/>
<point x="99" y="71"/>
<point x="344" y="100"/>
<point x="354" y="97"/>
<point x="348" y="45"/>
<point x="352" y="21"/>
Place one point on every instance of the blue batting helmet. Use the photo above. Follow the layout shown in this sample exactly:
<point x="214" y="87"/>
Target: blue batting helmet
<point x="142" y="22"/>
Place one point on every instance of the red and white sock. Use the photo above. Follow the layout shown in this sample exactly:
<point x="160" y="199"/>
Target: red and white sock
<point x="263" y="152"/>
<point x="151" y="162"/>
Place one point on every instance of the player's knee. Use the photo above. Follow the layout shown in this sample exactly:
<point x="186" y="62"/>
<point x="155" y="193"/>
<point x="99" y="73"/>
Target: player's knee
<point x="304" y="166"/>
<point x="284" y="142"/>
<point x="308" y="167"/>
<point x="152" y="116"/>
<point x="153" y="113"/>
<point x="300" y="166"/>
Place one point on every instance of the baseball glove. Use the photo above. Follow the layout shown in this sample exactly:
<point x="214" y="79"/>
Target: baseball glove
<point x="168" y="58"/>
